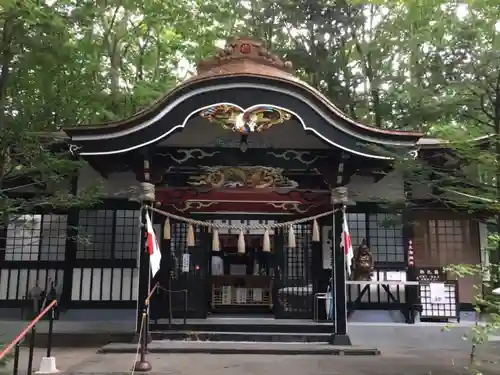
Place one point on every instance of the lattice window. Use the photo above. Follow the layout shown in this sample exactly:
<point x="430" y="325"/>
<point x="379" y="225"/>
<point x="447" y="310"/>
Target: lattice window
<point x="447" y="239"/>
<point x="108" y="234"/>
<point x="35" y="237"/>
<point x="298" y="258"/>
<point x="127" y="234"/>
<point x="441" y="242"/>
<point x="383" y="232"/>
<point x="386" y="237"/>
<point x="357" y="228"/>
<point x="95" y="234"/>
<point x="54" y="233"/>
<point x="447" y="308"/>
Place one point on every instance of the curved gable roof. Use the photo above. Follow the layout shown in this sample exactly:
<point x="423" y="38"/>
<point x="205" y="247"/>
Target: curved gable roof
<point x="247" y="64"/>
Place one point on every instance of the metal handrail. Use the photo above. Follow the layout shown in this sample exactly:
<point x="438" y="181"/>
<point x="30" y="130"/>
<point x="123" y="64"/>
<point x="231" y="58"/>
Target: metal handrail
<point x="29" y="327"/>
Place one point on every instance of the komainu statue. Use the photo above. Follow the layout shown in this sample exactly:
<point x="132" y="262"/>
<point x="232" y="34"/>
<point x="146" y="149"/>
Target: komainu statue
<point x="362" y="265"/>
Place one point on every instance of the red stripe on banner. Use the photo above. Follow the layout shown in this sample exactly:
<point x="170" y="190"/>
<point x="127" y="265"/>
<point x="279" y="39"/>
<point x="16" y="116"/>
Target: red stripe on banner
<point x="151" y="241"/>
<point x="347" y="243"/>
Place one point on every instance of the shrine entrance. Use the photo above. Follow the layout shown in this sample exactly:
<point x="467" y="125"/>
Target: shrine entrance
<point x="274" y="279"/>
<point x="243" y="137"/>
<point x="277" y="280"/>
<point x="242" y="282"/>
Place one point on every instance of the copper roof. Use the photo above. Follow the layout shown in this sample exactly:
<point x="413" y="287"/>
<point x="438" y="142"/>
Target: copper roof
<point x="244" y="56"/>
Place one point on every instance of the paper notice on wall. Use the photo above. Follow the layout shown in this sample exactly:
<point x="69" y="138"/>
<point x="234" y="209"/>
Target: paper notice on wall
<point x="438" y="293"/>
<point x="185" y="262"/>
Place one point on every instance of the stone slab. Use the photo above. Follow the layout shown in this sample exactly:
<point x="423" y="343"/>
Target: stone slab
<point x="209" y="347"/>
<point x="393" y="361"/>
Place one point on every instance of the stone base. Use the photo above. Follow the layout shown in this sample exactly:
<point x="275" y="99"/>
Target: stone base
<point x="142" y="366"/>
<point x="47" y="366"/>
<point x="340" y="340"/>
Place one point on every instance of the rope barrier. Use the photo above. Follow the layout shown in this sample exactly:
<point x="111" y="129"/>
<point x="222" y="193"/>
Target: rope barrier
<point x="139" y="341"/>
<point x="172" y="291"/>
<point x="240" y="227"/>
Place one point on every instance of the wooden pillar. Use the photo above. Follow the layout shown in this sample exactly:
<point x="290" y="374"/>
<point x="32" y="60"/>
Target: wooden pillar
<point x="340" y="335"/>
<point x="411" y="291"/>
<point x="71" y="249"/>
<point x="147" y="198"/>
<point x="69" y="258"/>
<point x="144" y="279"/>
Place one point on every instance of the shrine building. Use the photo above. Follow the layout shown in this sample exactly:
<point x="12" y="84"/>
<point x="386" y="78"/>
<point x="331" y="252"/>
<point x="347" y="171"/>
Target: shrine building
<point x="248" y="151"/>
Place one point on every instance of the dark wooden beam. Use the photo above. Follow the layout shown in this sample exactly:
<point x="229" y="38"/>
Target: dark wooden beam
<point x="329" y="169"/>
<point x="220" y="156"/>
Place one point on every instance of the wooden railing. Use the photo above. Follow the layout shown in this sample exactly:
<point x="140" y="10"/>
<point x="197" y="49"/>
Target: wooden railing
<point x="31" y="328"/>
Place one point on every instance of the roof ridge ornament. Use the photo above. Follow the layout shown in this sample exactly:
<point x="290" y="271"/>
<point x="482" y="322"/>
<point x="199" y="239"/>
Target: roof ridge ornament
<point x="245" y="48"/>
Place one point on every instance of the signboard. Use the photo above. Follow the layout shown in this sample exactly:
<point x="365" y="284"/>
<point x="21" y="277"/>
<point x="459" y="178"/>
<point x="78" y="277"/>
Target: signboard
<point x="430" y="274"/>
<point x="438" y="293"/>
<point x="185" y="262"/>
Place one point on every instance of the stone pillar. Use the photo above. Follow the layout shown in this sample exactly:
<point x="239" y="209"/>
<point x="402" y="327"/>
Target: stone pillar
<point x="339" y="336"/>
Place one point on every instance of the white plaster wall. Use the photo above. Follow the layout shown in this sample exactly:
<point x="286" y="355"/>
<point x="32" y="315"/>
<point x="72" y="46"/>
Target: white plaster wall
<point x="117" y="185"/>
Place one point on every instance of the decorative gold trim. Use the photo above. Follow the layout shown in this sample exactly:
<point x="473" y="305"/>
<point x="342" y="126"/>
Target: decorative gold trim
<point x="254" y="119"/>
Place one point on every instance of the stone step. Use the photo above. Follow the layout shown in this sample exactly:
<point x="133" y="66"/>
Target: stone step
<point x="210" y="347"/>
<point x="243" y="325"/>
<point x="241" y="336"/>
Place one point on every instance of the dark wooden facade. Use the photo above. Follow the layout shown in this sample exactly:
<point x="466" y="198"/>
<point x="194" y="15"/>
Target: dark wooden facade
<point x="243" y="140"/>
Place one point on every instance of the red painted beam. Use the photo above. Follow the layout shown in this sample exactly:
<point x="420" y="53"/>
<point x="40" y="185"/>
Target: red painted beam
<point x="270" y="201"/>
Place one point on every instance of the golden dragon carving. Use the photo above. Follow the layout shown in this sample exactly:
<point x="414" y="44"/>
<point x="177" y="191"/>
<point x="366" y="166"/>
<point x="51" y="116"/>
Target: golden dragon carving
<point x="251" y="177"/>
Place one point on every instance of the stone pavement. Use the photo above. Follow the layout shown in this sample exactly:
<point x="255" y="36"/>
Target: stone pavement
<point x="393" y="361"/>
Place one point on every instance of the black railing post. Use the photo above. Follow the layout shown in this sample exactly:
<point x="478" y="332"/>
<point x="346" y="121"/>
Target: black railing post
<point x="185" y="307"/>
<point x="15" y="370"/>
<point x="50" y="333"/>
<point x="31" y="350"/>
<point x="142" y="365"/>
<point x="169" y="295"/>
